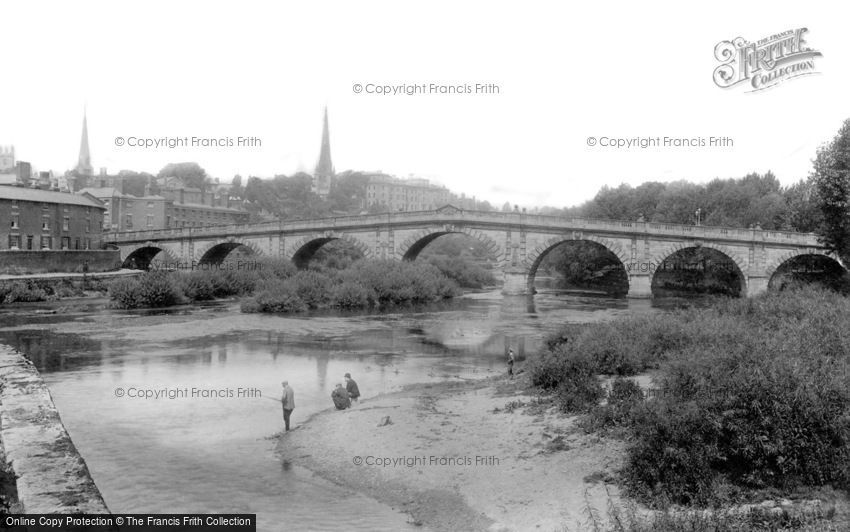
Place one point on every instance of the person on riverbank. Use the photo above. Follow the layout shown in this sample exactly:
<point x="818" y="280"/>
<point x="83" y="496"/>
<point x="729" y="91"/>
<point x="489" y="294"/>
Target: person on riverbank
<point x="352" y="389"/>
<point x="511" y="360"/>
<point x="340" y="397"/>
<point x="288" y="402"/>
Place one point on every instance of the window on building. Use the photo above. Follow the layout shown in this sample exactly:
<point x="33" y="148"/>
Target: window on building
<point x="88" y="226"/>
<point x="45" y="223"/>
<point x="167" y="222"/>
<point x="66" y="208"/>
<point x="14" y="241"/>
<point x="149" y="220"/>
<point x="150" y="205"/>
<point x="66" y="223"/>
<point x="46" y="242"/>
<point x="15" y="222"/>
<point x="66" y="242"/>
<point x="45" y="206"/>
<point x="76" y="243"/>
<point x="129" y="221"/>
<point x="29" y="242"/>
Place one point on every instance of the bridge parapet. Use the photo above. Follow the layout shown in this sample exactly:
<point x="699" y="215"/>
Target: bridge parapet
<point x="496" y="220"/>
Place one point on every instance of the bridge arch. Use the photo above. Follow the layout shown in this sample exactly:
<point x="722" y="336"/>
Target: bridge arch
<point x="140" y="257"/>
<point x="777" y="263"/>
<point x="306" y="247"/>
<point x="536" y="256"/>
<point x="216" y="252"/>
<point x="658" y="259"/>
<point x="413" y="245"/>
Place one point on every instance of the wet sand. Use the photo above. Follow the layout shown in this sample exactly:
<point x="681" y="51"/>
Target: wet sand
<point x="453" y="462"/>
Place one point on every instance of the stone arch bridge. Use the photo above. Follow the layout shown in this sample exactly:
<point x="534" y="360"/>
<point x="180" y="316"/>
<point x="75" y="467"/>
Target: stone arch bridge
<point x="517" y="241"/>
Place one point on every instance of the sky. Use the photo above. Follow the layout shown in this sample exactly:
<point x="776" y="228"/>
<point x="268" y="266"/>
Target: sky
<point x="564" y="73"/>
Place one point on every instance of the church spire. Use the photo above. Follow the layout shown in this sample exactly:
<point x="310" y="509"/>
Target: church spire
<point x="324" y="168"/>
<point x="84" y="166"/>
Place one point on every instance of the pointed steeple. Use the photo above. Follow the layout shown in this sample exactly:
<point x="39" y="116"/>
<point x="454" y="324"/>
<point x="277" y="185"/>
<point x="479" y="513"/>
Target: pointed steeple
<point x="324" y="168"/>
<point x="84" y="166"/>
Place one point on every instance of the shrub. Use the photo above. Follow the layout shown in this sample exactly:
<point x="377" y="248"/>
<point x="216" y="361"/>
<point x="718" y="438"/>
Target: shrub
<point x="751" y="394"/>
<point x="200" y="285"/>
<point x="465" y="274"/>
<point x="350" y="294"/>
<point x="624" y="400"/>
<point x="21" y="292"/>
<point x="275" y="296"/>
<point x="312" y="287"/>
<point x="151" y="289"/>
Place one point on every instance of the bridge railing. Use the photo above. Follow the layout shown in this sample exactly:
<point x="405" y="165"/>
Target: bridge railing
<point x="528" y="221"/>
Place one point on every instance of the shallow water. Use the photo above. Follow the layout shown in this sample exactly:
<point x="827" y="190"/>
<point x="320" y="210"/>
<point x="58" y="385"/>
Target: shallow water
<point x="212" y="449"/>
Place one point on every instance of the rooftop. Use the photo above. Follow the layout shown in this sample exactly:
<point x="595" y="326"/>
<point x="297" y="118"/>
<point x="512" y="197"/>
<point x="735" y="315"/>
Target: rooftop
<point x="46" y="196"/>
<point x="111" y="192"/>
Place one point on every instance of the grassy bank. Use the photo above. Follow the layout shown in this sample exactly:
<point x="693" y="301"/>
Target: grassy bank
<point x="277" y="286"/>
<point x="34" y="290"/>
<point x="751" y="397"/>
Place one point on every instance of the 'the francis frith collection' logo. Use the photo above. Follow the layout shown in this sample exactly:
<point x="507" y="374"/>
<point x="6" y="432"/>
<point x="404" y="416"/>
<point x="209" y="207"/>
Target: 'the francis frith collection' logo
<point x="764" y="63"/>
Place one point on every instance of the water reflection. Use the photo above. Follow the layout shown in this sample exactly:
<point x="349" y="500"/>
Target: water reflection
<point x="172" y="455"/>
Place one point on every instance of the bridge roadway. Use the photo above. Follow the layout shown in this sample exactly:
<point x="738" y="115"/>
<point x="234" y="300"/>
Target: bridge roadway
<point x="517" y="241"/>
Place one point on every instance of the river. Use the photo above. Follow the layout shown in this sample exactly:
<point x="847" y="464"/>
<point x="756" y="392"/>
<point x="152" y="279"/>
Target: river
<point x="214" y="451"/>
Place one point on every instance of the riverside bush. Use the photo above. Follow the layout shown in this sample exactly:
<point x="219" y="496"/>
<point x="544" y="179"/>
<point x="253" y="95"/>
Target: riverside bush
<point x="163" y="288"/>
<point x="151" y="289"/>
<point x="21" y="292"/>
<point x="365" y="284"/>
<point x="750" y="394"/>
<point x="311" y="287"/>
<point x="350" y="294"/>
<point x="465" y="274"/>
<point x="275" y="296"/>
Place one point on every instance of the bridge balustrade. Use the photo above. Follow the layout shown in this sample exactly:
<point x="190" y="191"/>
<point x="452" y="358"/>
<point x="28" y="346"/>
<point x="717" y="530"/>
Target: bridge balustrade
<point x="528" y="221"/>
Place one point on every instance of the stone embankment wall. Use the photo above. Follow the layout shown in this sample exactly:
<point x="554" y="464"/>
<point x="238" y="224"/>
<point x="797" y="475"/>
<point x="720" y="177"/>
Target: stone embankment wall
<point x="51" y="475"/>
<point x="66" y="260"/>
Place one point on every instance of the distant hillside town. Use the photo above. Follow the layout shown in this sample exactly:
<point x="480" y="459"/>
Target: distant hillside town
<point x="184" y="195"/>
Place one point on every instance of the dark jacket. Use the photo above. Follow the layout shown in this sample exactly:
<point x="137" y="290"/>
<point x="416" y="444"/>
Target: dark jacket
<point x="288" y="399"/>
<point x="340" y="398"/>
<point x="353" y="390"/>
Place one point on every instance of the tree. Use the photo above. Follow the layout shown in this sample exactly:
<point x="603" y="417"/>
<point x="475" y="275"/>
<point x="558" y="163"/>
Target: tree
<point x="831" y="175"/>
<point x="190" y="173"/>
<point x="236" y="190"/>
<point x="801" y="198"/>
<point x="135" y="183"/>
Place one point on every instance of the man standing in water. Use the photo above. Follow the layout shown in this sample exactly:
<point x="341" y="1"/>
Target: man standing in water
<point x="351" y="387"/>
<point x="288" y="402"/>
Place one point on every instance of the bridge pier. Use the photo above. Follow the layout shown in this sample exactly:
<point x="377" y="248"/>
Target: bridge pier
<point x="755" y="286"/>
<point x="640" y="286"/>
<point x="516" y="282"/>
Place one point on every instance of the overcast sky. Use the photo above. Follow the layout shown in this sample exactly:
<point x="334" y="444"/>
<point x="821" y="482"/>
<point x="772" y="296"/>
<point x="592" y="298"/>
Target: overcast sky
<point x="565" y="73"/>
